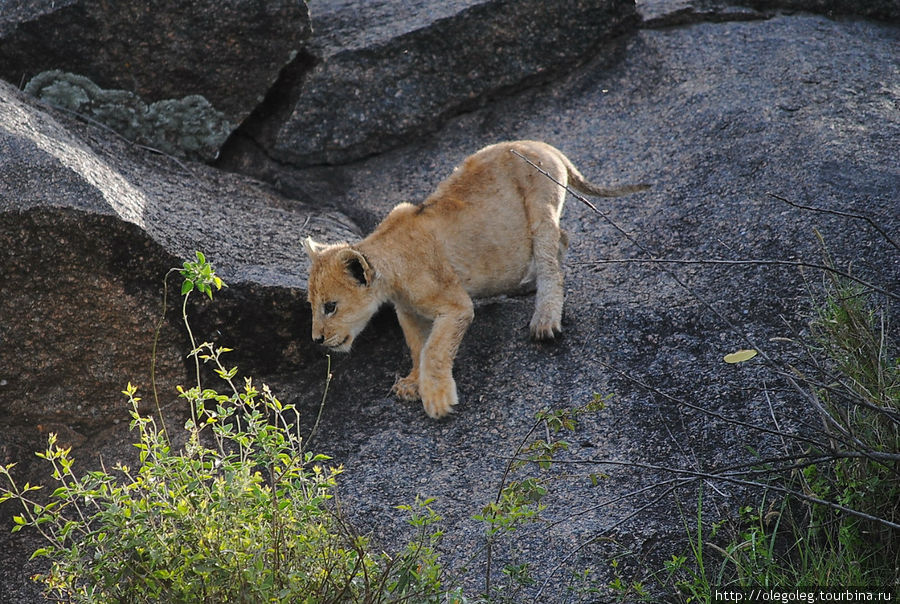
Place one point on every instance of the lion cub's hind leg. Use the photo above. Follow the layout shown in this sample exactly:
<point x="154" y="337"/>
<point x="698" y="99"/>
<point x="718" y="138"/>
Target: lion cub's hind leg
<point x="549" y="243"/>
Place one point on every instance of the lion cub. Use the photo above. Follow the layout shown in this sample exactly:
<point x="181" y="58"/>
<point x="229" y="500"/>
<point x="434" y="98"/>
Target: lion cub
<point x="492" y="227"/>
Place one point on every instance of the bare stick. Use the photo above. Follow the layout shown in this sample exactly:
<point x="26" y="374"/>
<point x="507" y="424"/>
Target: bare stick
<point x="580" y="198"/>
<point x="763" y="262"/>
<point x="709" y="412"/>
<point x="871" y="222"/>
<point x="103" y="126"/>
<point x="596" y="538"/>
<point x="735" y="479"/>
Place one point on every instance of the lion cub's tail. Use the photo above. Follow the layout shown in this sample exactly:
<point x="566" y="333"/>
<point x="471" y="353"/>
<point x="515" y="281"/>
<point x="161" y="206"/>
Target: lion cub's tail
<point x="580" y="183"/>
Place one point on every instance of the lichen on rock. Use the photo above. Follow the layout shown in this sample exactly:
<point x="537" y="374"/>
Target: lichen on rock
<point x="189" y="127"/>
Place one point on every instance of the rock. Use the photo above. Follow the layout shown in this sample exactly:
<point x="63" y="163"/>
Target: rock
<point x="89" y="225"/>
<point x="388" y="72"/>
<point x="668" y="13"/>
<point x="716" y="115"/>
<point x="887" y="10"/>
<point x="665" y="13"/>
<point x="228" y="53"/>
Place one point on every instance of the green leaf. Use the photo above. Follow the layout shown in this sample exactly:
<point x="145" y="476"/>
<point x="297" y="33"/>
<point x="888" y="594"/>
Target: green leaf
<point x="187" y="287"/>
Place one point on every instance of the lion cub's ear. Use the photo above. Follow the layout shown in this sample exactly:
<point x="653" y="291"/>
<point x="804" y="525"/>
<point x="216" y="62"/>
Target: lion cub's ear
<point x="358" y="266"/>
<point x="311" y="247"/>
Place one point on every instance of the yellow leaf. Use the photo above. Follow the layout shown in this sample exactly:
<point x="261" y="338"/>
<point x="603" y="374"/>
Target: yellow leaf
<point x="740" y="356"/>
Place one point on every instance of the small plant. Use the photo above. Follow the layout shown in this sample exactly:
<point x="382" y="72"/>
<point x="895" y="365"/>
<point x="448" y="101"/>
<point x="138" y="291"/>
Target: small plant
<point x="240" y="514"/>
<point x="584" y="586"/>
<point x="832" y="519"/>
<point x="860" y="407"/>
<point x="519" y="502"/>
<point x="625" y="590"/>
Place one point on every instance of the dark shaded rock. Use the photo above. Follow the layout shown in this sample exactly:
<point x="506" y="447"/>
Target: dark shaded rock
<point x="668" y="13"/>
<point x="227" y="52"/>
<point x="887" y="10"/>
<point x="389" y="71"/>
<point x="89" y="225"/>
<point x="665" y="13"/>
<point x="88" y="292"/>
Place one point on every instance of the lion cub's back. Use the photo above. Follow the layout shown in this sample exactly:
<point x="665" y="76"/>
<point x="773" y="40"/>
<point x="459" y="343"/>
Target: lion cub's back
<point x="478" y="216"/>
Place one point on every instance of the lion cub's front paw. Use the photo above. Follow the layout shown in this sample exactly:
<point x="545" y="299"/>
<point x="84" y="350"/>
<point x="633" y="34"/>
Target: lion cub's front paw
<point x="407" y="388"/>
<point x="545" y="324"/>
<point x="438" y="396"/>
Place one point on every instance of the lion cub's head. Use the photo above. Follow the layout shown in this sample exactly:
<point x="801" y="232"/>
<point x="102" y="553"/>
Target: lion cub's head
<point x="340" y="293"/>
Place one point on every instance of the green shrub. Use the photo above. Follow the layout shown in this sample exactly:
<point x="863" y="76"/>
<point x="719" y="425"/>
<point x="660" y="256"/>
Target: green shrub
<point x="860" y="406"/>
<point x="240" y="514"/>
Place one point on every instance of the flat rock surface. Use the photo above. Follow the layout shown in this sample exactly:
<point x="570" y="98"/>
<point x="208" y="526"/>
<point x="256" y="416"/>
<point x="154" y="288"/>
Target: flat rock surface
<point x="717" y="116"/>
<point x="387" y="72"/>
<point x="89" y="225"/>
<point x="154" y="50"/>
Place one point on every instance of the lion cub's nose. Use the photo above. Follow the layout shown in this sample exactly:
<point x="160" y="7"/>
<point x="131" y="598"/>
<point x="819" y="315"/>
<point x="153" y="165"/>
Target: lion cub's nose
<point x="319" y="339"/>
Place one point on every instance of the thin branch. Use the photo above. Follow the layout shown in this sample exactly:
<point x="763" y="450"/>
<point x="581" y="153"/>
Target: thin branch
<point x="705" y="411"/>
<point x="750" y="483"/>
<point x="580" y="198"/>
<point x="853" y="398"/>
<point x="744" y="468"/>
<point x="608" y="530"/>
<point x="762" y="262"/>
<point x="328" y="377"/>
<point x="609" y="502"/>
<point x="489" y="545"/>
<point x="115" y="132"/>
<point x="871" y="222"/>
<point x="153" y="353"/>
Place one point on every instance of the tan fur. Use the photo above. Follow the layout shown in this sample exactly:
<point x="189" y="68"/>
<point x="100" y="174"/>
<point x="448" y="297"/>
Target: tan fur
<point x="492" y="227"/>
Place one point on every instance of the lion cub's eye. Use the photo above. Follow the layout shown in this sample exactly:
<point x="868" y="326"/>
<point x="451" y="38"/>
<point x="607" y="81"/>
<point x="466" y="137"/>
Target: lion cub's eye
<point x="329" y="307"/>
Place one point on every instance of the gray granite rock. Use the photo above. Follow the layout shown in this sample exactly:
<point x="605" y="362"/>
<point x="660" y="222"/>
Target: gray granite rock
<point x="716" y="116"/>
<point x="386" y="72"/>
<point x="886" y="10"/>
<point x="89" y="226"/>
<point x="229" y="53"/>
<point x="716" y="113"/>
<point x="656" y="13"/>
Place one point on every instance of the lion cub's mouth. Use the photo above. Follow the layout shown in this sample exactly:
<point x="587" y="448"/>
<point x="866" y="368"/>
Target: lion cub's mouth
<point x="342" y="346"/>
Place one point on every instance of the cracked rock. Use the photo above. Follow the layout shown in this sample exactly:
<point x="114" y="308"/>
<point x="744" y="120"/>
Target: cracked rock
<point x="387" y="72"/>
